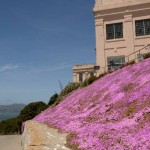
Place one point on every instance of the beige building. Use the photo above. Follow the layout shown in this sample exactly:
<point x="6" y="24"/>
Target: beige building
<point x="82" y="72"/>
<point x="122" y="28"/>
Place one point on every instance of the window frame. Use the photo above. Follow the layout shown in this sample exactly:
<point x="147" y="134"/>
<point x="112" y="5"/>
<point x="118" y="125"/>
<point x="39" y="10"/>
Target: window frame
<point x="115" y="31"/>
<point x="115" y="64"/>
<point x="80" y="77"/>
<point x="143" y="28"/>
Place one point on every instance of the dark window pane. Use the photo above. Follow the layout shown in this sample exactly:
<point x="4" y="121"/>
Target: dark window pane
<point x="80" y="77"/>
<point x="139" y="28"/>
<point x="147" y="27"/>
<point x="114" y="31"/>
<point x="142" y="27"/>
<point x="118" y="31"/>
<point x="115" y="61"/>
<point x="91" y="74"/>
<point x="110" y="31"/>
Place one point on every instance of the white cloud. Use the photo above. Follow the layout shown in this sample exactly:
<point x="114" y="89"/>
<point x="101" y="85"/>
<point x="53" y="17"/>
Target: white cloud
<point x="58" y="67"/>
<point x="8" y="67"/>
<point x="11" y="67"/>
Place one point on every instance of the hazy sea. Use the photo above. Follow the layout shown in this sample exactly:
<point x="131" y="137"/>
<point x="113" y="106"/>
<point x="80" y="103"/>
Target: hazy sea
<point x="4" y="116"/>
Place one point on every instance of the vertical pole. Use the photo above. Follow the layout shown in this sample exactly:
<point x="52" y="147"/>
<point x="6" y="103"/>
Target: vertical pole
<point x="139" y="55"/>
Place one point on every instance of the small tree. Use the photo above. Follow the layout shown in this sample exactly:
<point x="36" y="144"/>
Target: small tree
<point x="89" y="81"/>
<point x="53" y="99"/>
<point x="30" y="111"/>
<point x="146" y="56"/>
<point x="9" y="126"/>
<point x="69" y="88"/>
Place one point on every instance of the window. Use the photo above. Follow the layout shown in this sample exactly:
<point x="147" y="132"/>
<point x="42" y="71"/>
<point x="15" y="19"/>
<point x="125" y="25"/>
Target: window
<point x="91" y="74"/>
<point x="142" y="27"/>
<point x="115" y="62"/>
<point x="80" y="77"/>
<point x="114" y="31"/>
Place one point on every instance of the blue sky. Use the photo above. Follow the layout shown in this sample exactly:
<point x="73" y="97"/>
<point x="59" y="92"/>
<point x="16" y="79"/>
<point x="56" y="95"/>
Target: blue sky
<point x="40" y="41"/>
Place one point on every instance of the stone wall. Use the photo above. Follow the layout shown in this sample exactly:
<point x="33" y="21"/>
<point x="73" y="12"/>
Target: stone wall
<point x="37" y="136"/>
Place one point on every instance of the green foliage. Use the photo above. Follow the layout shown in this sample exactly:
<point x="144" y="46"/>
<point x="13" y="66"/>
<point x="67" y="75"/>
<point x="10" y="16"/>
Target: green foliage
<point x="89" y="81"/>
<point x="102" y="75"/>
<point x="131" y="62"/>
<point x="128" y="63"/>
<point x="58" y="100"/>
<point x="12" y="126"/>
<point x="30" y="111"/>
<point x="69" y="88"/>
<point x="53" y="99"/>
<point x="146" y="55"/>
<point x="9" y="126"/>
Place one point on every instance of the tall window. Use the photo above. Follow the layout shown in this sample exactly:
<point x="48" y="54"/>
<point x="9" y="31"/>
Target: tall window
<point x="142" y="27"/>
<point x="91" y="74"/>
<point x="114" y="31"/>
<point x="80" y="77"/>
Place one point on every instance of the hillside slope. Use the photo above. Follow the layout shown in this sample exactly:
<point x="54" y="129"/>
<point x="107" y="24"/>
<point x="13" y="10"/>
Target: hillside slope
<point x="112" y="113"/>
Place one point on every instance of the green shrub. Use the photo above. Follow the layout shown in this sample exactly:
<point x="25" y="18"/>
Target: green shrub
<point x="9" y="126"/>
<point x="131" y="62"/>
<point x="13" y="126"/>
<point x="89" y="81"/>
<point x="53" y="99"/>
<point x="146" y="55"/>
<point x="30" y="111"/>
<point x="128" y="63"/>
<point x="58" y="100"/>
<point x="69" y="88"/>
<point x="102" y="75"/>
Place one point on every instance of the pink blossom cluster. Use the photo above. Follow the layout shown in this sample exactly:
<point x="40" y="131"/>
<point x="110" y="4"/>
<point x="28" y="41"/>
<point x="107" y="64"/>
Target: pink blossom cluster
<point x="112" y="113"/>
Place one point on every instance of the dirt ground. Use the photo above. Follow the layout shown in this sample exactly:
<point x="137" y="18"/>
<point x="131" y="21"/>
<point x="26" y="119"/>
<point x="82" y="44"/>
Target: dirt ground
<point x="10" y="142"/>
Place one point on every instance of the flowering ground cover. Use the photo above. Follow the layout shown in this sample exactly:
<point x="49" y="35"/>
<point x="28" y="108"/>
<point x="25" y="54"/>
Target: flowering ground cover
<point x="113" y="113"/>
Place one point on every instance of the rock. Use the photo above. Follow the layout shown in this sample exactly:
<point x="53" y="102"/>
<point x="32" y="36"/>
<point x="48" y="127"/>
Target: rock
<point x="38" y="136"/>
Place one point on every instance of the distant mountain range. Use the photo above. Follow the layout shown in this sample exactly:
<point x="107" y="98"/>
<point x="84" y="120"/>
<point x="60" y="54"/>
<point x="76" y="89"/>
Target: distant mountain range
<point x="13" y="108"/>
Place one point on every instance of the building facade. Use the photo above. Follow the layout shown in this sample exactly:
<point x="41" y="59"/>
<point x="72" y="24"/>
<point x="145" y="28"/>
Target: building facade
<point x="83" y="72"/>
<point x="122" y="27"/>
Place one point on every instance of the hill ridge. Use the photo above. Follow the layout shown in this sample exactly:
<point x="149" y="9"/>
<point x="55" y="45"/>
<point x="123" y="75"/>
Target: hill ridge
<point x="12" y="108"/>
